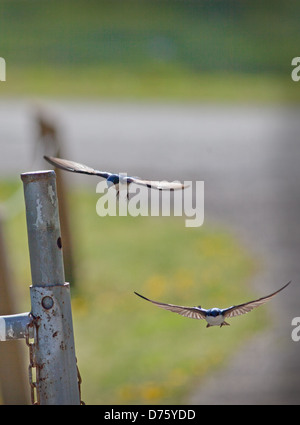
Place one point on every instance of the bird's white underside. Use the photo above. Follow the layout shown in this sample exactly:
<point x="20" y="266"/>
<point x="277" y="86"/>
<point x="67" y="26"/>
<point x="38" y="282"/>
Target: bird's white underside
<point x="214" y="321"/>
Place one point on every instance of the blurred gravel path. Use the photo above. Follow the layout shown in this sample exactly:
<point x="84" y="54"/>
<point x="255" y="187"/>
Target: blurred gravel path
<point x="249" y="160"/>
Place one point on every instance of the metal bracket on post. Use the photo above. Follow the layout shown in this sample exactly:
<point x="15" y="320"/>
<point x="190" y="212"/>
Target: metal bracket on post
<point x="54" y="350"/>
<point x="14" y="326"/>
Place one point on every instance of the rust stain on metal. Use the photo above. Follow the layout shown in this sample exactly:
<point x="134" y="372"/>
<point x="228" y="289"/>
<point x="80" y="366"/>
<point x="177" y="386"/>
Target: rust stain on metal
<point x="59" y="243"/>
<point x="62" y="346"/>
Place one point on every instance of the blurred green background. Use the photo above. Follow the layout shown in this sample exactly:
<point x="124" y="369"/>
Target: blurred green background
<point x="225" y="50"/>
<point x="208" y="51"/>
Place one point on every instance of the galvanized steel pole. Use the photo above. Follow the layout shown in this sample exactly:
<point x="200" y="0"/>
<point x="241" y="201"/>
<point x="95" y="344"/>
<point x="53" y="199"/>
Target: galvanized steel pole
<point x="57" y="379"/>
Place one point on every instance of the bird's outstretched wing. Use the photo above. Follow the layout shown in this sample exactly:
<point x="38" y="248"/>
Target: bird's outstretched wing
<point x="237" y="310"/>
<point x="75" y="167"/>
<point x="160" y="185"/>
<point x="191" y="312"/>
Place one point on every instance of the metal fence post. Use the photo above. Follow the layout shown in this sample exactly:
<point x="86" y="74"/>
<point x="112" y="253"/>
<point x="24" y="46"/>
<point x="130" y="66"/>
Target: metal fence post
<point x="54" y="350"/>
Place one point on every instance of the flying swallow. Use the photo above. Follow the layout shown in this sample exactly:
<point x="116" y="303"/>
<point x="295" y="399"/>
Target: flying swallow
<point x="112" y="179"/>
<point x="215" y="316"/>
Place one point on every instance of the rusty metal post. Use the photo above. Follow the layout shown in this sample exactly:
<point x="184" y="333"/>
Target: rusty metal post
<point x="55" y="361"/>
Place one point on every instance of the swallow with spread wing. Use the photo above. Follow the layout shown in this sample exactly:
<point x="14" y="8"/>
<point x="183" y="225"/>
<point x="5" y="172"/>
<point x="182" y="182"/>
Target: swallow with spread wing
<point x="215" y="316"/>
<point x="112" y="179"/>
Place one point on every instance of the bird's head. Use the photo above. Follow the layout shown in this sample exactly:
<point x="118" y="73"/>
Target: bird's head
<point x="214" y="312"/>
<point x="112" y="180"/>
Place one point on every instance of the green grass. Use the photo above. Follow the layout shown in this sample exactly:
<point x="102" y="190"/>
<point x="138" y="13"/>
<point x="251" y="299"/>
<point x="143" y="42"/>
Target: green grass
<point x="202" y="36"/>
<point x="128" y="350"/>
<point x="136" y="49"/>
<point x="162" y="83"/>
